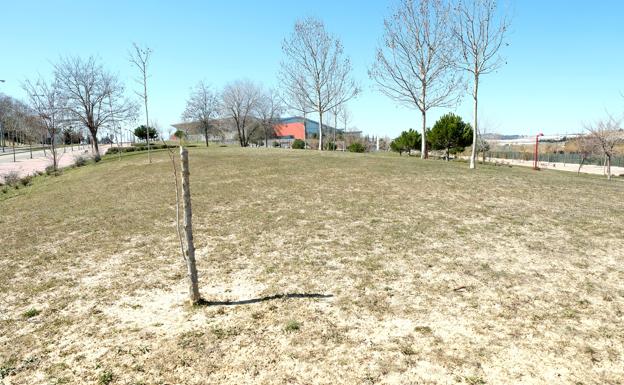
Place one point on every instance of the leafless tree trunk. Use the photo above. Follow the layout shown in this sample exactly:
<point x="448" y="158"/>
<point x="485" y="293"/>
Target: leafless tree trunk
<point x="203" y="107"/>
<point x="140" y="57"/>
<point x="415" y="66"/>
<point x="480" y="32"/>
<point x="194" y="295"/>
<point x="316" y="70"/>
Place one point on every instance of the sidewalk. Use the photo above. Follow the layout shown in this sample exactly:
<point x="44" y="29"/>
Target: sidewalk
<point x="39" y="162"/>
<point x="573" y="167"/>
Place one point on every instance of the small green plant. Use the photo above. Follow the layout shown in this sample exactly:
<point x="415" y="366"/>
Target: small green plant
<point x="356" y="147"/>
<point x="7" y="368"/>
<point x="276" y="144"/>
<point x="105" y="378"/>
<point x="298" y="144"/>
<point x="31" y="313"/>
<point x="292" y="326"/>
<point x="330" y="146"/>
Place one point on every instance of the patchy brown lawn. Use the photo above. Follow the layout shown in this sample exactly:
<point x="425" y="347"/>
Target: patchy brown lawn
<point x="324" y="269"/>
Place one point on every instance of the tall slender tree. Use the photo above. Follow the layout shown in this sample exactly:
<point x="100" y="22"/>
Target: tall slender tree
<point x="415" y="64"/>
<point x="47" y="102"/>
<point x="316" y="69"/>
<point x="140" y="57"/>
<point x="479" y="30"/>
<point x="268" y="112"/>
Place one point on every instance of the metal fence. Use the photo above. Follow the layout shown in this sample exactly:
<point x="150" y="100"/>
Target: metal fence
<point x="617" y="161"/>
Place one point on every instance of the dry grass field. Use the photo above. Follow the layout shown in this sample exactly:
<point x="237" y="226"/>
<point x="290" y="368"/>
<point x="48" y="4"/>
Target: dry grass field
<point x="320" y="268"/>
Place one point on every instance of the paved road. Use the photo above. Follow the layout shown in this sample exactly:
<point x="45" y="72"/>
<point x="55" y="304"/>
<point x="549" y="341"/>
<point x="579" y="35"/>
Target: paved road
<point x="24" y="153"/>
<point x="24" y="165"/>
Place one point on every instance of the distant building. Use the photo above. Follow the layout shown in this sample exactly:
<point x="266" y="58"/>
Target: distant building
<point x="297" y="127"/>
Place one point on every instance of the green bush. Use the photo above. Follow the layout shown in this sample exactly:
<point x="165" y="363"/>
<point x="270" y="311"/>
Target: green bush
<point x="356" y="147"/>
<point x="298" y="144"/>
<point x="276" y="144"/>
<point x="330" y="146"/>
<point x="138" y="147"/>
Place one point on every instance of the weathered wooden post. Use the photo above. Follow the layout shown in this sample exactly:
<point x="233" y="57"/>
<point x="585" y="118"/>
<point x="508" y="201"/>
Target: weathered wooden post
<point x="194" y="295"/>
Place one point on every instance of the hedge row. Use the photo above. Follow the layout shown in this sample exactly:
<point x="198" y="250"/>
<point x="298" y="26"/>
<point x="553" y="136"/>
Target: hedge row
<point x="115" y="150"/>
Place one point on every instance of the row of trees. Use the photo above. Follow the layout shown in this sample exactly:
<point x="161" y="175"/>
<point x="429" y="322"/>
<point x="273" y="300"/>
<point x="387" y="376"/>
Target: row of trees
<point x="428" y="45"/>
<point x="450" y="133"/>
<point x="81" y="93"/>
<point x="252" y="109"/>
<point x="315" y="76"/>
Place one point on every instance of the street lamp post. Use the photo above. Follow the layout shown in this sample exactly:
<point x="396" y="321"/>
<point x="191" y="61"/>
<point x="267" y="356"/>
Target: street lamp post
<point x="535" y="154"/>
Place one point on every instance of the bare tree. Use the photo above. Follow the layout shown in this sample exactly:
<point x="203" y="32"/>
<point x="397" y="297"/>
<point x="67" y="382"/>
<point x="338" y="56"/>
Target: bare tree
<point x="316" y="70"/>
<point x="140" y="57"/>
<point x="239" y="101"/>
<point x="480" y="32"/>
<point x="88" y="91"/>
<point x="586" y="146"/>
<point x="49" y="104"/>
<point x="203" y="107"/>
<point x="13" y="118"/>
<point x="268" y="111"/>
<point x="415" y="65"/>
<point x="607" y="135"/>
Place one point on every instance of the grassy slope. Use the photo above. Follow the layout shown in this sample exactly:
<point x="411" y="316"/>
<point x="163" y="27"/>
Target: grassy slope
<point x="436" y="274"/>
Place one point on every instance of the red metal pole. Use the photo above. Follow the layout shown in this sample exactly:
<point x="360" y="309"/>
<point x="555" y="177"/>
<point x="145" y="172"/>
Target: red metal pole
<point x="535" y="153"/>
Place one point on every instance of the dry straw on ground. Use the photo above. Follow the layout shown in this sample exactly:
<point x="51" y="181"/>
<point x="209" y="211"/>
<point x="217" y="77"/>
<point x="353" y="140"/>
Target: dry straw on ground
<point x="403" y="272"/>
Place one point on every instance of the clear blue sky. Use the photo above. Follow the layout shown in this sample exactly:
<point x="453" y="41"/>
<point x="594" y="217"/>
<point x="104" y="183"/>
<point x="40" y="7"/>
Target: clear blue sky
<point x="565" y="59"/>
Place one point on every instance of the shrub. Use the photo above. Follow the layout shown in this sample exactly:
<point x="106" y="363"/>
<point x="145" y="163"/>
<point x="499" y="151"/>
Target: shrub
<point x="276" y="144"/>
<point x="105" y="378"/>
<point x="330" y="146"/>
<point x="97" y="158"/>
<point x="81" y="161"/>
<point x="25" y="181"/>
<point x="50" y="170"/>
<point x="298" y="144"/>
<point x="31" y="313"/>
<point x="292" y="326"/>
<point x="356" y="147"/>
<point x="12" y="178"/>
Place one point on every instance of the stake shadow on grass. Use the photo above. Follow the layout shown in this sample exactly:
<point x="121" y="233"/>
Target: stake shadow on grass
<point x="204" y="302"/>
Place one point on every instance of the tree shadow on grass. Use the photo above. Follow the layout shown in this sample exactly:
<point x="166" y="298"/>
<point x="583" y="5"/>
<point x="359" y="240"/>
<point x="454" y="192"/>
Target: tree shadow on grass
<point x="204" y="302"/>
